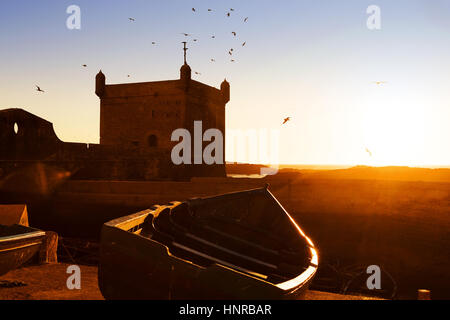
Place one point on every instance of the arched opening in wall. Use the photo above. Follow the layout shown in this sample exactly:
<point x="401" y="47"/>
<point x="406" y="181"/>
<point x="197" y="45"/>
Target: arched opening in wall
<point x="16" y="128"/>
<point x="152" y="141"/>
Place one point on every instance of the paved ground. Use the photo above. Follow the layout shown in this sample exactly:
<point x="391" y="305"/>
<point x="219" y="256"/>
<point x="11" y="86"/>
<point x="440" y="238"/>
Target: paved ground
<point x="48" y="282"/>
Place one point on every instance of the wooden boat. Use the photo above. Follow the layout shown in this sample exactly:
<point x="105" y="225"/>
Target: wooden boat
<point x="240" y="245"/>
<point x="18" y="244"/>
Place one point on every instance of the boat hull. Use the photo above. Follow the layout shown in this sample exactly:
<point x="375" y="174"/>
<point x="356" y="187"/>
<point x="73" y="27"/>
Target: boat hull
<point x="134" y="266"/>
<point x="18" y="246"/>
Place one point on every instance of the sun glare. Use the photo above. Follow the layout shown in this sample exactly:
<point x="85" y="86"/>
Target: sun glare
<point x="394" y="130"/>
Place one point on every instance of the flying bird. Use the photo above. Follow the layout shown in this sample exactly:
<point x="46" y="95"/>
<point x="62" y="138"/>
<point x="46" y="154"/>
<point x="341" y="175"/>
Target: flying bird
<point x="230" y="53"/>
<point x="193" y="9"/>
<point x="185" y="34"/>
<point x="232" y="60"/>
<point x="234" y="33"/>
<point x="245" y="20"/>
<point x="286" y="120"/>
<point x="212" y="60"/>
<point x="197" y="73"/>
<point x="244" y="44"/>
<point x="209" y="10"/>
<point x="39" y="89"/>
<point x="153" y="42"/>
<point x="131" y="19"/>
<point x="379" y="82"/>
<point x="228" y="14"/>
<point x="231" y="9"/>
<point x="195" y="40"/>
<point x="368" y="151"/>
<point x="84" y="65"/>
<point x="213" y="37"/>
<point x="128" y="76"/>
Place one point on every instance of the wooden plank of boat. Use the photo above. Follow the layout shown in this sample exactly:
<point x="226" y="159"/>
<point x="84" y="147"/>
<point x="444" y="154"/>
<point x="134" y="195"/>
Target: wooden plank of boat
<point x="18" y="244"/>
<point x="148" y="255"/>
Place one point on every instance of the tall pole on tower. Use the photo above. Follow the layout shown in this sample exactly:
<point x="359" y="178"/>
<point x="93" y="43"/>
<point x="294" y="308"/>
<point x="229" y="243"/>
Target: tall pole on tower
<point x="185" y="49"/>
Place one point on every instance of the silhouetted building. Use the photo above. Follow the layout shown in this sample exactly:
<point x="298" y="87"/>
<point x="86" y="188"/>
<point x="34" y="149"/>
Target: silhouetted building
<point x="136" y="124"/>
<point x="142" y="116"/>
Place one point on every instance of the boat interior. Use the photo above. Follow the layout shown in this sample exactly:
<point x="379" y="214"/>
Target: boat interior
<point x="249" y="232"/>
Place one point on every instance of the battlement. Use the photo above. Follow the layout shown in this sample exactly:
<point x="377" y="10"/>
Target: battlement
<point x="158" y="88"/>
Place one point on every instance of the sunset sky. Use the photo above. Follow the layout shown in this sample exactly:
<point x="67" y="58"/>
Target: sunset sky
<point x="314" y="61"/>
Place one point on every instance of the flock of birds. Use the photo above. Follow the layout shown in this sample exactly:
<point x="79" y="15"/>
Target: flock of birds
<point x="230" y="52"/>
<point x="234" y="33"/>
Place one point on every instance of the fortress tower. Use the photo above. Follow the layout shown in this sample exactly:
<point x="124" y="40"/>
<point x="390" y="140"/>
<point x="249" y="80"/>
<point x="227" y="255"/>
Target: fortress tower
<point x="142" y="116"/>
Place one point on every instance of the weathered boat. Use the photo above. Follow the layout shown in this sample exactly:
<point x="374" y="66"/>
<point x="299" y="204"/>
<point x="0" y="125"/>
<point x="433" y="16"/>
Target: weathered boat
<point x="18" y="244"/>
<point x="241" y="245"/>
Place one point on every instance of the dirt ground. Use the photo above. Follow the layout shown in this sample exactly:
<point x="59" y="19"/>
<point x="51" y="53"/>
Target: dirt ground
<point x="48" y="282"/>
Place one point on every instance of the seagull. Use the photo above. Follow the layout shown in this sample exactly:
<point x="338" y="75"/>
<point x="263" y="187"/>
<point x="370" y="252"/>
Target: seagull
<point x="234" y="33"/>
<point x="245" y="20"/>
<point x="368" y="151"/>
<point x="286" y="120"/>
<point x="39" y="89"/>
<point x="379" y="82"/>
<point x="131" y="19"/>
<point x="244" y="44"/>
